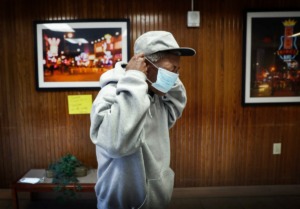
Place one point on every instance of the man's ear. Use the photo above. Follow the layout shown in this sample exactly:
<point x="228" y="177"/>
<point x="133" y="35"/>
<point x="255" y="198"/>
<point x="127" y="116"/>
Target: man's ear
<point x="152" y="73"/>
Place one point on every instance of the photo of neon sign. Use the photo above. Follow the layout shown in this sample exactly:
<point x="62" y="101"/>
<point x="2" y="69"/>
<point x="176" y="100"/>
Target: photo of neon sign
<point x="272" y="72"/>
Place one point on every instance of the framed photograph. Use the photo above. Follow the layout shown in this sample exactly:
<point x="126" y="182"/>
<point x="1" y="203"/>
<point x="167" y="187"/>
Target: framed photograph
<point x="74" y="54"/>
<point x="271" y="57"/>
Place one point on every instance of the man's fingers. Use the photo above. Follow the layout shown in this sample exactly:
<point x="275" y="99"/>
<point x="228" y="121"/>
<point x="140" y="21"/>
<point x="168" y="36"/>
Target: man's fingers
<point x="137" y="62"/>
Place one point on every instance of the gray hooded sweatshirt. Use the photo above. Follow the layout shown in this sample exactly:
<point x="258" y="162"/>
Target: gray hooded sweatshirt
<point x="130" y="129"/>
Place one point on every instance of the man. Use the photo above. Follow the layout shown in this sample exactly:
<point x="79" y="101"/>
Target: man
<point x="130" y="121"/>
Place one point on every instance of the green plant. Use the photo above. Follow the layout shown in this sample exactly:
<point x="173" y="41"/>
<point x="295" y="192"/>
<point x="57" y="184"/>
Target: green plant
<point x="64" y="174"/>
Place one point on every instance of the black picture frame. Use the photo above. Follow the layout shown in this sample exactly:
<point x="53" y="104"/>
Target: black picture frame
<point x="271" y="58"/>
<point x="72" y="54"/>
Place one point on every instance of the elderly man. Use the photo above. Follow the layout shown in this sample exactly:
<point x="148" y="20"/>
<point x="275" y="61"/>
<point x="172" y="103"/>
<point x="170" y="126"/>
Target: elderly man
<point x="130" y="122"/>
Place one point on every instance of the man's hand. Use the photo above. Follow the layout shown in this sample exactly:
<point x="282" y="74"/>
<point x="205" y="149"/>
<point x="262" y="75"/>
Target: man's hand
<point x="137" y="62"/>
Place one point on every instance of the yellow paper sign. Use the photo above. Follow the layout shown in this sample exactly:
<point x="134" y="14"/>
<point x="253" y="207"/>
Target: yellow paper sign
<point x="80" y="104"/>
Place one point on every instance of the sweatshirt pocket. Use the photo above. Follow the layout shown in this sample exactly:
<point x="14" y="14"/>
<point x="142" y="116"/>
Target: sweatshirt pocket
<point x="160" y="190"/>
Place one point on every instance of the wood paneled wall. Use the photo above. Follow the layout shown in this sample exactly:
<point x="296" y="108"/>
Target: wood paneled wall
<point x="217" y="142"/>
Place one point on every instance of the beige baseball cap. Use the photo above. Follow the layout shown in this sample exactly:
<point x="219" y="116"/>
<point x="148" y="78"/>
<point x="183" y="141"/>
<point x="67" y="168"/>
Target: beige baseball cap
<point x="156" y="41"/>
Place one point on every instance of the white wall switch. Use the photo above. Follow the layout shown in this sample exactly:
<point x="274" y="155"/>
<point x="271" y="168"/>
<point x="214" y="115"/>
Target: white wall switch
<point x="276" y="148"/>
<point x="193" y="19"/>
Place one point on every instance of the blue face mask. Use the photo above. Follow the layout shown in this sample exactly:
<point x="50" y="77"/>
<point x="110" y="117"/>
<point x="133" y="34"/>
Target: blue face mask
<point x="165" y="79"/>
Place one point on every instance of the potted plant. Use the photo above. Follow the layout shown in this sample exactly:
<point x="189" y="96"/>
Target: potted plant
<point x="64" y="172"/>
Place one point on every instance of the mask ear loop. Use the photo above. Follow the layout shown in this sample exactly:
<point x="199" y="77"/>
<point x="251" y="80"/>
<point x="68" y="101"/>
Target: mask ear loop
<point x="154" y="66"/>
<point x="149" y="81"/>
<point x="151" y="62"/>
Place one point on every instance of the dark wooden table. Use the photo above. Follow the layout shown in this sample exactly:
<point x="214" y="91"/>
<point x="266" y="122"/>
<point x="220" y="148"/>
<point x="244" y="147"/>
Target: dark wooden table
<point x="45" y="184"/>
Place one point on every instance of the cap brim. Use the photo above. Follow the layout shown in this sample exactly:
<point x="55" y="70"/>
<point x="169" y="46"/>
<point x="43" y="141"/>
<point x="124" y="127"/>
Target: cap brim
<point x="184" y="51"/>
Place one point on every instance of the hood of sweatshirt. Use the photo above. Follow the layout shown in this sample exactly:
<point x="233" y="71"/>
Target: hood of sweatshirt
<point x="113" y="75"/>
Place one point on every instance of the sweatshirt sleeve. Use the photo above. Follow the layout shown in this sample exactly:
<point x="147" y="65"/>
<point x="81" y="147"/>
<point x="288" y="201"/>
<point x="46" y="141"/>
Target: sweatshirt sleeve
<point x="118" y="114"/>
<point x="175" y="101"/>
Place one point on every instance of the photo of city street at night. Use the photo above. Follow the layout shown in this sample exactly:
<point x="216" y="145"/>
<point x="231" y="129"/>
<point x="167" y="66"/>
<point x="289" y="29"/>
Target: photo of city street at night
<point x="72" y="55"/>
<point x="275" y="64"/>
<point x="274" y="70"/>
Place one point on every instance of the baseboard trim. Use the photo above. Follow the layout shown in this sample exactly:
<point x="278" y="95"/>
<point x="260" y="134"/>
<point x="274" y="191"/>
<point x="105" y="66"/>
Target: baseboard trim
<point x="235" y="191"/>
<point x="227" y="191"/>
<point x="5" y="194"/>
